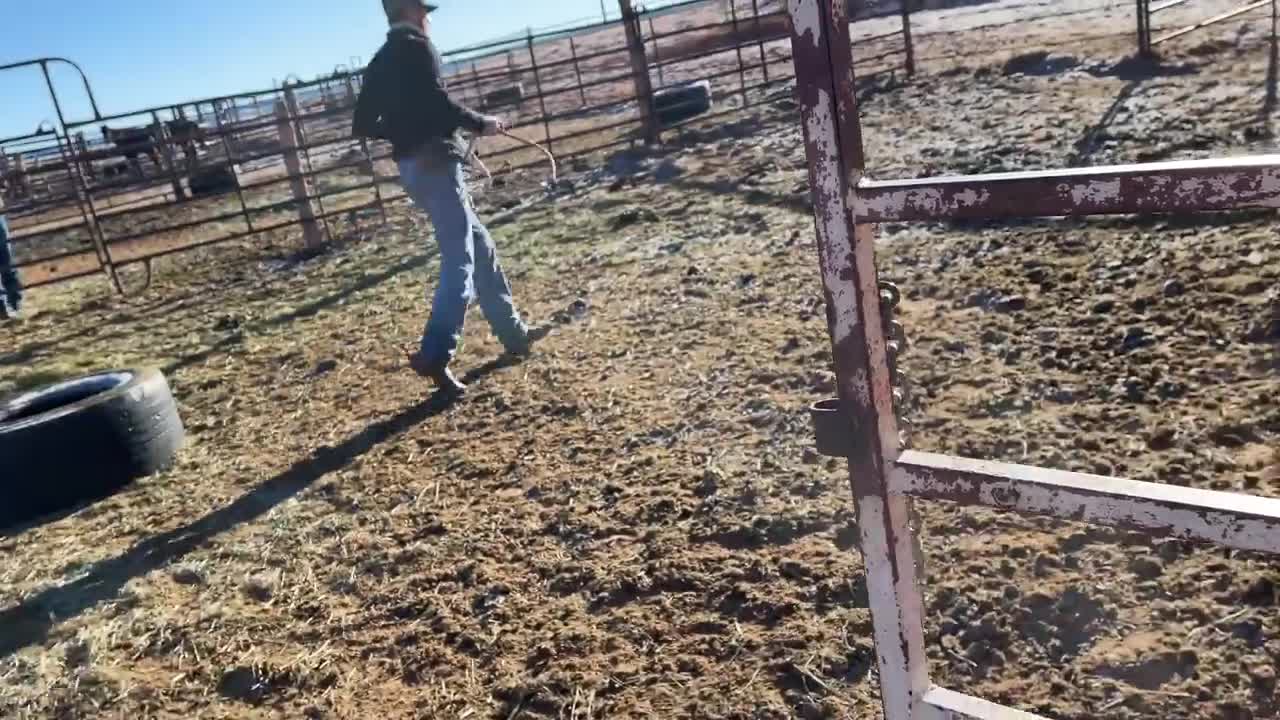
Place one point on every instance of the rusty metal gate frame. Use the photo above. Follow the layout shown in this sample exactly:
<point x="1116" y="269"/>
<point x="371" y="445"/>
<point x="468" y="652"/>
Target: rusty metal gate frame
<point x="67" y="151"/>
<point x="1146" y="10"/>
<point x="885" y="478"/>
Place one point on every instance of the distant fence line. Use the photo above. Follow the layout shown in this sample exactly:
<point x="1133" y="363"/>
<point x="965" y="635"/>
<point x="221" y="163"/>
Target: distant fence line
<point x="236" y="166"/>
<point x="233" y="167"/>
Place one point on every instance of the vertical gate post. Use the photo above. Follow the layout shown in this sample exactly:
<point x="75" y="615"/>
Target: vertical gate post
<point x="907" y="41"/>
<point x="233" y="165"/>
<point x="475" y="74"/>
<point x="737" y="48"/>
<point x="640" y="72"/>
<point x="1273" y="64"/>
<point x="657" y="55"/>
<point x="1144" y="27"/>
<point x="80" y="151"/>
<point x="19" y="179"/>
<point x="351" y="91"/>
<point x="168" y="163"/>
<point x="537" y="84"/>
<point x="293" y="166"/>
<point x="833" y="143"/>
<point x="88" y="212"/>
<point x="764" y="58"/>
<point x="577" y="70"/>
<point x="298" y="113"/>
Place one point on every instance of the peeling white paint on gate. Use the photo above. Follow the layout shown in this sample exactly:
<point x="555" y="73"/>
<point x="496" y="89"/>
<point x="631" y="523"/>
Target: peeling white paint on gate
<point x="807" y="18"/>
<point x="1092" y="192"/>
<point x="929" y="200"/>
<point x="874" y="517"/>
<point x="838" y="250"/>
<point x="1234" y="520"/>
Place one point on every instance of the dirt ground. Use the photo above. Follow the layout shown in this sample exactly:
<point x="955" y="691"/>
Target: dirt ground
<point x="633" y="524"/>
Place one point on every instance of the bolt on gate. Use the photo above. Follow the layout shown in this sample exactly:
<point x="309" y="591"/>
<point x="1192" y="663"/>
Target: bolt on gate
<point x="885" y="478"/>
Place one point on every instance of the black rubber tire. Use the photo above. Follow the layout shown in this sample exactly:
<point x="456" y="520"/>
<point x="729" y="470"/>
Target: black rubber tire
<point x="216" y="180"/>
<point x="82" y="440"/>
<point x="674" y="105"/>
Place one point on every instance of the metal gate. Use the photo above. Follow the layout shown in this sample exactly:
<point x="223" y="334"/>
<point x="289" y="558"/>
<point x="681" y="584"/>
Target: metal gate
<point x="885" y="478"/>
<point x="79" y="193"/>
<point x="1148" y="39"/>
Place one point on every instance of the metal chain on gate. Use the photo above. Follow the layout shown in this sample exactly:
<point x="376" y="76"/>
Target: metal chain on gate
<point x="896" y="344"/>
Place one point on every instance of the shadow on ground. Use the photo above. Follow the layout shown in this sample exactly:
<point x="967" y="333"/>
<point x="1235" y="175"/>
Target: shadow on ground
<point x="30" y="622"/>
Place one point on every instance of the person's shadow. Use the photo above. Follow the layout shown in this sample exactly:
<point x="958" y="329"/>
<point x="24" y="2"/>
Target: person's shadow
<point x="30" y="622"/>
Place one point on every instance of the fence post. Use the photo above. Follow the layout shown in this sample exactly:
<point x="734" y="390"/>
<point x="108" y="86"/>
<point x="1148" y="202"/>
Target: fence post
<point x="846" y="250"/>
<point x="737" y="48"/>
<point x="1144" y="28"/>
<point x="80" y="150"/>
<point x="293" y="166"/>
<point x="906" y="37"/>
<point x="764" y="58"/>
<point x="475" y="74"/>
<point x="657" y="56"/>
<point x="537" y="84"/>
<point x="19" y="179"/>
<point x="640" y="73"/>
<point x="233" y="165"/>
<point x="577" y="69"/>
<point x="167" y="162"/>
<point x="1273" y="66"/>
<point x="89" y="213"/>
<point x="304" y="145"/>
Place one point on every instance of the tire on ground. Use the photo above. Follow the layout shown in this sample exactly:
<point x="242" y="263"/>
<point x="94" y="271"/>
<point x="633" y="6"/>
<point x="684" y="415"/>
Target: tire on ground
<point x="82" y="440"/>
<point x="674" y="105"/>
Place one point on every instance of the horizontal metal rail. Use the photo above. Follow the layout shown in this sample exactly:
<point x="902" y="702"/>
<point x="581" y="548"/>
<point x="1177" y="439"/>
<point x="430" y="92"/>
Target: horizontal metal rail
<point x="256" y="95"/>
<point x="882" y="56"/>
<point x="95" y="271"/>
<point x="464" y="79"/>
<point x="85" y="248"/>
<point x="259" y="122"/>
<point x="1174" y="187"/>
<point x="1245" y="522"/>
<point x="859" y="41"/>
<point x="942" y="704"/>
<point x="747" y="21"/>
<point x="635" y="120"/>
<point x="37" y="136"/>
<point x="126" y="262"/>
<point x="701" y="54"/>
<point x="1161" y="7"/>
<point x="1212" y="21"/>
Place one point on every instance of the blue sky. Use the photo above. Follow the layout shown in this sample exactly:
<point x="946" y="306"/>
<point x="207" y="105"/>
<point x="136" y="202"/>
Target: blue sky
<point x="140" y="53"/>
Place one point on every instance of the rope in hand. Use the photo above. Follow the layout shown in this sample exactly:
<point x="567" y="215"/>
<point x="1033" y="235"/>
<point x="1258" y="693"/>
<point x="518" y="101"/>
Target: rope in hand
<point x="473" y="157"/>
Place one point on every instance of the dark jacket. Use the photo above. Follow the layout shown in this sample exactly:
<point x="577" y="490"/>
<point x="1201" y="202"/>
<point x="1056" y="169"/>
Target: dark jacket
<point x="404" y="100"/>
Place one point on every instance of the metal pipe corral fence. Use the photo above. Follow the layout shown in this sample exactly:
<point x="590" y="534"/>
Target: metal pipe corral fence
<point x="220" y="169"/>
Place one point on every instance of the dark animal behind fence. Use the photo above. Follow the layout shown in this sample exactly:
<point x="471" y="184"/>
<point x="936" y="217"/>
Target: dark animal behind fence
<point x="134" y="142"/>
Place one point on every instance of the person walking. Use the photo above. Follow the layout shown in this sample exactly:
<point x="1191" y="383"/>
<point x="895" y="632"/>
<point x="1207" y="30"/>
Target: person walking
<point x="404" y="100"/>
<point x="10" y="284"/>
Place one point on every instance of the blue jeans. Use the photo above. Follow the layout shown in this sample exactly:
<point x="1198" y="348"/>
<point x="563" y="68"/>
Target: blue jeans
<point x="9" y="283"/>
<point x="469" y="267"/>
